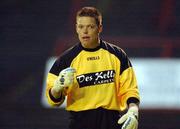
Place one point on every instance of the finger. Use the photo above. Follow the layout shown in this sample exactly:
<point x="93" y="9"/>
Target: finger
<point x="128" y="124"/>
<point x="70" y="69"/>
<point x="122" y="119"/>
<point x="134" y="126"/>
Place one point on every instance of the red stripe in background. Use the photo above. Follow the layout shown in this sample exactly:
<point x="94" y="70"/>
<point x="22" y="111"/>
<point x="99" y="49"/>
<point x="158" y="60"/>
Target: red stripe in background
<point x="167" y="16"/>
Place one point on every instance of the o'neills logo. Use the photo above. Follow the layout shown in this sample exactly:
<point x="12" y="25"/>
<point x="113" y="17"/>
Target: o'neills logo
<point x="96" y="78"/>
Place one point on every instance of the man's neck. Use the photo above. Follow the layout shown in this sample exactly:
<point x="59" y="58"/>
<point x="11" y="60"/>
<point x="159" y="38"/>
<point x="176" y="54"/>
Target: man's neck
<point x="94" y="45"/>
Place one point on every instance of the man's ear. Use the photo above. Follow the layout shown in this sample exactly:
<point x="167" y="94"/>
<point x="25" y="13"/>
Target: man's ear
<point x="100" y="28"/>
<point x="76" y="28"/>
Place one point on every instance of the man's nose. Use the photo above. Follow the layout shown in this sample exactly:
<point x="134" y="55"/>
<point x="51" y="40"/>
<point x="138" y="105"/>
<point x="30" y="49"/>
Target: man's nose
<point x="85" y="31"/>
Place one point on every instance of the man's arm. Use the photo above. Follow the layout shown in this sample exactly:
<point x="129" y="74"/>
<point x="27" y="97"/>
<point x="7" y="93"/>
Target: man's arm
<point x="56" y="85"/>
<point x="54" y="97"/>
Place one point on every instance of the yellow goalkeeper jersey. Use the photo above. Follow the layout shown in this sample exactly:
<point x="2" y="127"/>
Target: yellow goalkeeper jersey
<point x="104" y="78"/>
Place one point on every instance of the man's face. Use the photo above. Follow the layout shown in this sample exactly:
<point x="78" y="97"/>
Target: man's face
<point x="88" y="31"/>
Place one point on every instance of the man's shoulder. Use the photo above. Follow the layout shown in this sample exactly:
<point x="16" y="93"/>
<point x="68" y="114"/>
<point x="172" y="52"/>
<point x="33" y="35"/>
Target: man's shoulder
<point x="112" y="47"/>
<point x="71" y="51"/>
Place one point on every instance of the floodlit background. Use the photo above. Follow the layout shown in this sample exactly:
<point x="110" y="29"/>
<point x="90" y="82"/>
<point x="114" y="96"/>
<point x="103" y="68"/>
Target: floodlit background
<point x="34" y="31"/>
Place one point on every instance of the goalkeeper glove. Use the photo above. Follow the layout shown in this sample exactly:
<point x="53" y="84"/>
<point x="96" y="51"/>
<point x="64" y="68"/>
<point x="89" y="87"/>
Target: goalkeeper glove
<point x="130" y="119"/>
<point x="65" y="79"/>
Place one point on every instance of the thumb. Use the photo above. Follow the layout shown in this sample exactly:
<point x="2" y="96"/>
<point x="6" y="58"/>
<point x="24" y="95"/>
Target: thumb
<point x="122" y="119"/>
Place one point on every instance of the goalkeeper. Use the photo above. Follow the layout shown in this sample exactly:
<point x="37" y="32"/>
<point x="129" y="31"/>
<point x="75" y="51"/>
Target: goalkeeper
<point x="96" y="77"/>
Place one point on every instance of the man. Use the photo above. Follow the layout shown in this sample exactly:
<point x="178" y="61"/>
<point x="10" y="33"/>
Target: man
<point x="97" y="78"/>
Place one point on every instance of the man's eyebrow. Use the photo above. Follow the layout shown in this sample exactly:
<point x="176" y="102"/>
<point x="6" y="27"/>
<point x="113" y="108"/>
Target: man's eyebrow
<point x="87" y="24"/>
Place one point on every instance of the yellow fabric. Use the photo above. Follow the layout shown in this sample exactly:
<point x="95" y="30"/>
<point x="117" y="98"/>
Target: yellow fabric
<point x="101" y="95"/>
<point x="128" y="87"/>
<point x="112" y="95"/>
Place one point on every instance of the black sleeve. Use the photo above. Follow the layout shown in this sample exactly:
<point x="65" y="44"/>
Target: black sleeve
<point x="58" y="66"/>
<point x="125" y="62"/>
<point x="65" y="59"/>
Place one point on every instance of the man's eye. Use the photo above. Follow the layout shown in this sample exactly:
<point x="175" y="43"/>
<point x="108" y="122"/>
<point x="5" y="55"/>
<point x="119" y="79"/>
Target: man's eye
<point x="80" y="27"/>
<point x="91" y="26"/>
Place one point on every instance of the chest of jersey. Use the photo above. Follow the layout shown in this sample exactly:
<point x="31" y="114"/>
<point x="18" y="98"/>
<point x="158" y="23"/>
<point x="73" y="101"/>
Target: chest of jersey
<point x="94" y="68"/>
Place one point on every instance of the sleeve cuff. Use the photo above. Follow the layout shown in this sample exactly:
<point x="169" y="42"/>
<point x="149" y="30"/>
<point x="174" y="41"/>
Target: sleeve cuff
<point x="132" y="100"/>
<point x="56" y="100"/>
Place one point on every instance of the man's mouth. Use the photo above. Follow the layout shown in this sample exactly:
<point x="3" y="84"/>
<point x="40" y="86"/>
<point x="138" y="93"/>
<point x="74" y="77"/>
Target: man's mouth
<point x="85" y="37"/>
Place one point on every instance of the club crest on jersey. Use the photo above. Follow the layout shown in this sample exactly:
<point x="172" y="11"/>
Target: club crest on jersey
<point x="91" y="79"/>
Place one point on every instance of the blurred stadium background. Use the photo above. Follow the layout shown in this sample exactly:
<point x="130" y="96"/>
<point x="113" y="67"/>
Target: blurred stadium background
<point x="32" y="31"/>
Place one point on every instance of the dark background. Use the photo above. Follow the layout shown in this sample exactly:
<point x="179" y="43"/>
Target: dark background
<point x="31" y="31"/>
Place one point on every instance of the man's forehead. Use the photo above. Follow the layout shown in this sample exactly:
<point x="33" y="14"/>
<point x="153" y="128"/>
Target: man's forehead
<point x="85" y="20"/>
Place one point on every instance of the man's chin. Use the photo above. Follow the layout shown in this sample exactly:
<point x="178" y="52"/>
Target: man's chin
<point x="86" y="44"/>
